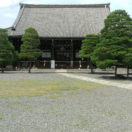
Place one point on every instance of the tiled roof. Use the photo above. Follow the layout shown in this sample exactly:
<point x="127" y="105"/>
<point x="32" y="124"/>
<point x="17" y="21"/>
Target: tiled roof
<point x="61" y="20"/>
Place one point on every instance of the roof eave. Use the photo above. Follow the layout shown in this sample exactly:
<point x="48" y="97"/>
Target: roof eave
<point x="63" y="5"/>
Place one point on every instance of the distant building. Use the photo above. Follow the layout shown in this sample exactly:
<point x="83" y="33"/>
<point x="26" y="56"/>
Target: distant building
<point x="61" y="29"/>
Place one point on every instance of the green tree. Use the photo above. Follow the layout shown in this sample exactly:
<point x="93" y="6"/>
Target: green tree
<point x="115" y="46"/>
<point x="88" y="47"/>
<point x="6" y="50"/>
<point x="30" y="48"/>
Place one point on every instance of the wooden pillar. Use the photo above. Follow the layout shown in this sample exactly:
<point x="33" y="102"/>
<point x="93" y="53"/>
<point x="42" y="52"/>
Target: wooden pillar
<point x="71" y="53"/>
<point x="52" y="50"/>
<point x="52" y="63"/>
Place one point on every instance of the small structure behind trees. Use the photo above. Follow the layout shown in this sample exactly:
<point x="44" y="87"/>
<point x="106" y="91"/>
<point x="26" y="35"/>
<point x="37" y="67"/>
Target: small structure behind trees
<point x="30" y="48"/>
<point x="6" y="50"/>
<point x="88" y="47"/>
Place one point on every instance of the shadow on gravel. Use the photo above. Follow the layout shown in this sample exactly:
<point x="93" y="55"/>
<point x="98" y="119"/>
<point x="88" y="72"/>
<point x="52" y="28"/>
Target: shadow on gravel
<point x="32" y="72"/>
<point x="110" y="76"/>
<point x="115" y="78"/>
<point x="25" y="72"/>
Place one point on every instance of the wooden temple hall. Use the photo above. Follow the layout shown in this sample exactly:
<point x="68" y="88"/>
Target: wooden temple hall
<point x="61" y="29"/>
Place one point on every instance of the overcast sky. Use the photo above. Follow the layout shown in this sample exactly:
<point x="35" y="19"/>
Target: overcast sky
<point x="9" y="8"/>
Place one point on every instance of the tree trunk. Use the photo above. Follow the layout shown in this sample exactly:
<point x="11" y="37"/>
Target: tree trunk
<point x="92" y="70"/>
<point x="29" y="69"/>
<point x="2" y="70"/>
<point x="91" y="67"/>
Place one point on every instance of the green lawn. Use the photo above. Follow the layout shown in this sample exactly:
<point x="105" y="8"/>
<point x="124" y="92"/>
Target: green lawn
<point x="39" y="88"/>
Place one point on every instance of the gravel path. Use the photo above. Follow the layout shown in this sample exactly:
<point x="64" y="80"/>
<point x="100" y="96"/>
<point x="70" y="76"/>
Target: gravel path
<point x="109" y="77"/>
<point x="97" y="80"/>
<point x="106" y="109"/>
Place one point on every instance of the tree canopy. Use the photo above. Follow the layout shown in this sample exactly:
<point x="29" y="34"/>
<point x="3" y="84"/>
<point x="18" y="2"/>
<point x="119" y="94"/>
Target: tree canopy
<point x="115" y="46"/>
<point x="6" y="50"/>
<point x="88" y="47"/>
<point x="30" y="48"/>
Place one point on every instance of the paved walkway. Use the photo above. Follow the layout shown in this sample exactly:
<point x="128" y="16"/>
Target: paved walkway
<point x="101" y="81"/>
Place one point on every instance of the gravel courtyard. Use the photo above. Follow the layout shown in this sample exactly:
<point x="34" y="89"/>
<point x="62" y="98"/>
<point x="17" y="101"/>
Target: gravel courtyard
<point x="100" y="108"/>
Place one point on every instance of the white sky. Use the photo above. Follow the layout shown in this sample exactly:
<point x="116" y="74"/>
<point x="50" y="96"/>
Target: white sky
<point x="9" y="8"/>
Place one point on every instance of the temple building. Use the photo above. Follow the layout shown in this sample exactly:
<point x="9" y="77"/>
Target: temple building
<point x="61" y="29"/>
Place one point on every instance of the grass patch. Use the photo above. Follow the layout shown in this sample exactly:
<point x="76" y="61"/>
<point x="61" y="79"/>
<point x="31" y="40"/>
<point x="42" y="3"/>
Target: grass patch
<point x="11" y="105"/>
<point x="39" y="88"/>
<point x="83" y="123"/>
<point x="1" y="116"/>
<point x="58" y="94"/>
<point x="28" y="109"/>
<point x="107" y="113"/>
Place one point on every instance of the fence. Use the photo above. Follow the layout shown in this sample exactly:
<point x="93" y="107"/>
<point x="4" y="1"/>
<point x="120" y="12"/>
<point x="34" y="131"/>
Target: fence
<point x="58" y="64"/>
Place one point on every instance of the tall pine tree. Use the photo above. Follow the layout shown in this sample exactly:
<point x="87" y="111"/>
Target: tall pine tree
<point x="6" y="50"/>
<point x="30" y="48"/>
<point x="115" y="46"/>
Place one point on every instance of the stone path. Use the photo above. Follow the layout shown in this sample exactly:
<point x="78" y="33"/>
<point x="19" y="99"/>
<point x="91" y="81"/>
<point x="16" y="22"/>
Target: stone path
<point x="101" y="81"/>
